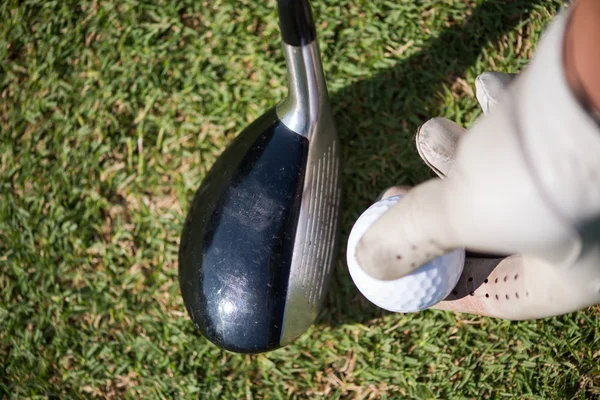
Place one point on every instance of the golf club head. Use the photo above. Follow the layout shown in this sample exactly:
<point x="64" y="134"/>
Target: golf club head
<point x="259" y="241"/>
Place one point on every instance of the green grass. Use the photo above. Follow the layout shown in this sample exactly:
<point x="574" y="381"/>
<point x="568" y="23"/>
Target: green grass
<point x="111" y="112"/>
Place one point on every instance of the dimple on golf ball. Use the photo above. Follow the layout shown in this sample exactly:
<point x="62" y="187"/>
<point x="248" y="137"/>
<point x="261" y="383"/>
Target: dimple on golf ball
<point x="416" y="291"/>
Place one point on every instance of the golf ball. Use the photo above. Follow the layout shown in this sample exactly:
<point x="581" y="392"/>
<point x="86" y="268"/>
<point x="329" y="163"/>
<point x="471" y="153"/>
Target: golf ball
<point x="416" y="291"/>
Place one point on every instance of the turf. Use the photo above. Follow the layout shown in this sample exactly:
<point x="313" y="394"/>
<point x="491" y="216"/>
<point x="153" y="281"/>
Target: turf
<point x="111" y="112"/>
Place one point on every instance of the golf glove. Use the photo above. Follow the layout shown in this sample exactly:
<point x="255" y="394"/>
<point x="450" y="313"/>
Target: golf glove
<point x="524" y="180"/>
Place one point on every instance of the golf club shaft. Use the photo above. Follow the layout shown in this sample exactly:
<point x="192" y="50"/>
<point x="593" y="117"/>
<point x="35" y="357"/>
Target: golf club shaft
<point x="296" y="22"/>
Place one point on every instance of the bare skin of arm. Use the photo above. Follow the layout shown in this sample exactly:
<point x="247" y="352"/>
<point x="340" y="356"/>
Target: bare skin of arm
<point x="581" y="51"/>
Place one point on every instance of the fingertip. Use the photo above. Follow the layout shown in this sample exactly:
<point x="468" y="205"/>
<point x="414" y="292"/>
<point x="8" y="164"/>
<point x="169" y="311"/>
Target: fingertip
<point x="489" y="88"/>
<point x="363" y="257"/>
<point x="370" y="254"/>
<point x="436" y="141"/>
<point x="368" y="248"/>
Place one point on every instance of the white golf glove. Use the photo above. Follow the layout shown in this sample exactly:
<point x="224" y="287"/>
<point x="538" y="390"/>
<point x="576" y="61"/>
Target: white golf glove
<point x="524" y="180"/>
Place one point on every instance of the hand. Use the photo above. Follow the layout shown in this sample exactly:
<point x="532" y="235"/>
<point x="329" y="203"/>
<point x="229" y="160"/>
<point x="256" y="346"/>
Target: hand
<point x="522" y="181"/>
<point x="482" y="285"/>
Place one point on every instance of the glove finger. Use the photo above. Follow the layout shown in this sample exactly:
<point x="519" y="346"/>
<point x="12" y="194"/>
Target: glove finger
<point x="437" y="140"/>
<point x="490" y="87"/>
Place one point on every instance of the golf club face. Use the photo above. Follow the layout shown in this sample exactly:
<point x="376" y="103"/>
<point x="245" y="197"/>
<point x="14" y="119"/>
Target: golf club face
<point x="259" y="240"/>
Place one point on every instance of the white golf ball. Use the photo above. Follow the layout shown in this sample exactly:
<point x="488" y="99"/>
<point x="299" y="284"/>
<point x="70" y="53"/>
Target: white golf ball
<point x="416" y="291"/>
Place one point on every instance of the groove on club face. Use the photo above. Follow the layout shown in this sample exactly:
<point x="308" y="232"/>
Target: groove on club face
<point x="316" y="242"/>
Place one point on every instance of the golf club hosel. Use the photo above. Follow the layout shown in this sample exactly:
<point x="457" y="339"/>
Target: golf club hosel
<point x="307" y="98"/>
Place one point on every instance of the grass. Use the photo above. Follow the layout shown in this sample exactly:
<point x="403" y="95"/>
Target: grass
<point x="111" y="114"/>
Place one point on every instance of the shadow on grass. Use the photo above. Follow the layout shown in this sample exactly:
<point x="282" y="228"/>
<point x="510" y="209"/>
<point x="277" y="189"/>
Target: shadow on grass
<point x="377" y="118"/>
